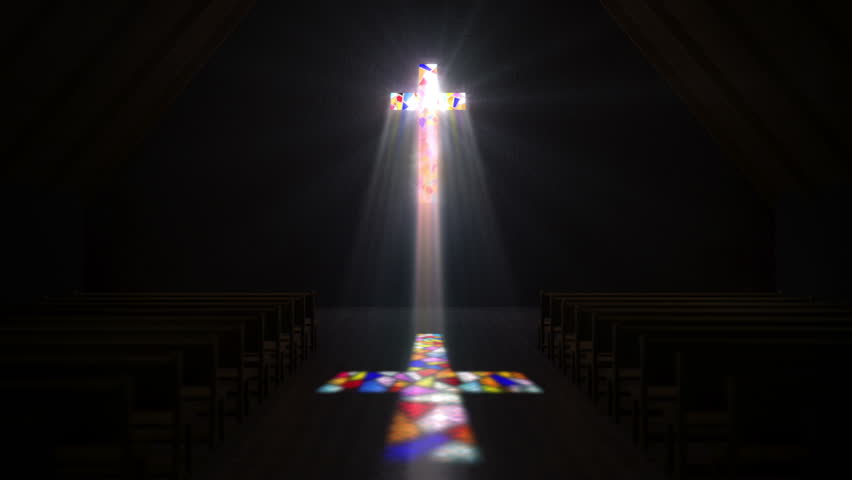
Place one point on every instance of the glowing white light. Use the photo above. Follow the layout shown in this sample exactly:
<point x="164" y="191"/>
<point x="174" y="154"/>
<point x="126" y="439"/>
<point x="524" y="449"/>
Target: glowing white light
<point x="427" y="102"/>
<point x="456" y="452"/>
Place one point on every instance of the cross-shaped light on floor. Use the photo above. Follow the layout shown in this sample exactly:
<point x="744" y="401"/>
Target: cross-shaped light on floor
<point x="431" y="421"/>
<point x="427" y="101"/>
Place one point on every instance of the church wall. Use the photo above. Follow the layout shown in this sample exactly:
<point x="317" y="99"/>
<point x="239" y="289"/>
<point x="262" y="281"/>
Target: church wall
<point x="610" y="184"/>
<point x="813" y="239"/>
<point x="595" y="175"/>
<point x="43" y="242"/>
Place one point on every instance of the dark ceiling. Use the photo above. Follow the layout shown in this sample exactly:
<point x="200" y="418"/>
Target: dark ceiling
<point x="252" y="163"/>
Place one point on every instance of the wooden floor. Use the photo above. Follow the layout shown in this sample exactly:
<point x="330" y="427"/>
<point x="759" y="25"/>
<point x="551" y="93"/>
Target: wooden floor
<point x="300" y="434"/>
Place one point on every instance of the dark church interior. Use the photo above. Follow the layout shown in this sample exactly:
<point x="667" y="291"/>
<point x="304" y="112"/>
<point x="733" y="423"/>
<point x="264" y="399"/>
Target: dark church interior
<point x="219" y="253"/>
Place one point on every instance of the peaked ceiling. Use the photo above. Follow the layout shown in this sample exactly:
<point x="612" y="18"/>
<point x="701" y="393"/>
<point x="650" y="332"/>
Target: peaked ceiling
<point x="91" y="78"/>
<point x="768" y="79"/>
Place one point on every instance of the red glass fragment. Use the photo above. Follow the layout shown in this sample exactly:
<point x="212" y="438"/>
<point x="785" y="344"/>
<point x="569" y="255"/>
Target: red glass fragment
<point x="353" y="384"/>
<point x="415" y="409"/>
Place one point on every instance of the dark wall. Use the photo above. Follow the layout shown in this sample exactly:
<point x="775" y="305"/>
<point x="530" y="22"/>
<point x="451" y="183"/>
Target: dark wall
<point x="268" y="172"/>
<point x="81" y="83"/>
<point x="813" y="238"/>
<point x="43" y="241"/>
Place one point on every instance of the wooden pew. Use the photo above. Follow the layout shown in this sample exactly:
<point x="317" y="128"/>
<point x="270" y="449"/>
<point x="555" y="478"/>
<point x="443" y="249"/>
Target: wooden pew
<point x="567" y="336"/>
<point x="201" y="387"/>
<point x="305" y="308"/>
<point x="567" y="307"/>
<point x="284" y="338"/>
<point x="61" y="326"/>
<point x="155" y="400"/>
<point x="87" y="433"/>
<point x="229" y="329"/>
<point x="563" y="309"/>
<point x="551" y="301"/>
<point x="262" y="348"/>
<point x="622" y="373"/>
<point x="577" y="333"/>
<point x="654" y="365"/>
<point x="717" y="365"/>
<point x="594" y="325"/>
<point x="681" y="315"/>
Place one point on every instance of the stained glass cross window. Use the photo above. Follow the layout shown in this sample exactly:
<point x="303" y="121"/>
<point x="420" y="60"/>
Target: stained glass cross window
<point x="430" y="421"/>
<point x="427" y="101"/>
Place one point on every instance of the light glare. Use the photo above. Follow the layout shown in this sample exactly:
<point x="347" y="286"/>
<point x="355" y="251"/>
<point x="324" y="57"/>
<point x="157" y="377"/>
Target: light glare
<point x="427" y="101"/>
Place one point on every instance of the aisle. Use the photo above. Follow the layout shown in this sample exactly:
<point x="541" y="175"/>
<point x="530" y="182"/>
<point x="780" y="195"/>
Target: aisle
<point x="302" y="434"/>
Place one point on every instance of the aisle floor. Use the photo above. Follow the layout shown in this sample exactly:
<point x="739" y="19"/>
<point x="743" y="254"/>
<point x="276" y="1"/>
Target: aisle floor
<point x="301" y="434"/>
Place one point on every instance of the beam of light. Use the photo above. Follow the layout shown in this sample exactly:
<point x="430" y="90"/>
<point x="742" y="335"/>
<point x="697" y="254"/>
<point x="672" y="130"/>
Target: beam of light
<point x="376" y="246"/>
<point x="430" y="421"/>
<point x="428" y="269"/>
<point x="470" y="213"/>
<point x="428" y="101"/>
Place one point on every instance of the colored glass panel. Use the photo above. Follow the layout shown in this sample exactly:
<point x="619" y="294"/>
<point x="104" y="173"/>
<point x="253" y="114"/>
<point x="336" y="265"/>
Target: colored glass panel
<point x="431" y="421"/>
<point x="386" y="381"/>
<point x="427" y="101"/>
<point x="373" y="386"/>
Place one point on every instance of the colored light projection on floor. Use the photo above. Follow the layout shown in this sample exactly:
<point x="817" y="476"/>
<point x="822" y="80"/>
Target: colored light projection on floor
<point x="427" y="101"/>
<point x="430" y="421"/>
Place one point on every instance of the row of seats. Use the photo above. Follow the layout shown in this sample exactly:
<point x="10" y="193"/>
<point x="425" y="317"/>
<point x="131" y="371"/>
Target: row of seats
<point x="710" y="383"/>
<point x="142" y="385"/>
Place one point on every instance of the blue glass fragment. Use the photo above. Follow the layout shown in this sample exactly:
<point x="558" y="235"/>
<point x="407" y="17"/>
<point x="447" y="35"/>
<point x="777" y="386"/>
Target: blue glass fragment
<point x="502" y="380"/>
<point x="415" y="448"/>
<point x="372" y="387"/>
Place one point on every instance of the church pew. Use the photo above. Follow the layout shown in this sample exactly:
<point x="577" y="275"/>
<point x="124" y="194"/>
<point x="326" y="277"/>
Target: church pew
<point x="563" y="341"/>
<point x="656" y="364"/>
<point x="233" y="366"/>
<point x="85" y="434"/>
<point x="297" y="312"/>
<point x="620" y="369"/>
<point x="575" y="341"/>
<point x="621" y="373"/>
<point x="255" y="365"/>
<point x="707" y="375"/>
<point x="593" y="325"/>
<point x="564" y="309"/>
<point x="305" y="310"/>
<point x="201" y="389"/>
<point x="262" y="349"/>
<point x="284" y="338"/>
<point x="772" y="324"/>
<point x="304" y="319"/>
<point x="289" y="344"/>
<point x="551" y="301"/>
<point x="155" y="401"/>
